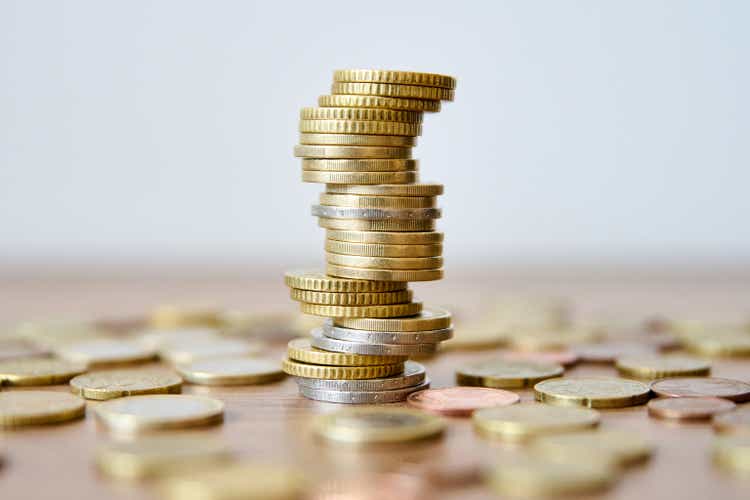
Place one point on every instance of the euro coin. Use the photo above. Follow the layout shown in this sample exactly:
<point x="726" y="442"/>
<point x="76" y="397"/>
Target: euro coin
<point x="352" y="152"/>
<point x="412" y="376"/>
<point x="460" y="401"/>
<point x="178" y="316"/>
<point x="38" y="371"/>
<point x="388" y="202"/>
<point x="359" y="165"/>
<point x="376" y="250"/>
<point x="407" y="263"/>
<point x="326" y="177"/>
<point x="734" y="390"/>
<point x="367" y="127"/>
<point x="719" y="344"/>
<point x="159" y="412"/>
<point x="394" y="225"/>
<point x="388" y="190"/>
<point x="189" y="351"/>
<point x="544" y="478"/>
<point x="21" y="408"/>
<point x="314" y="280"/>
<point x="238" y="370"/>
<point x="504" y="374"/>
<point x="386" y="238"/>
<point x="305" y="370"/>
<point x="302" y="350"/>
<point x="392" y="90"/>
<point x="379" y="311"/>
<point x="361" y="397"/>
<point x="320" y="341"/>
<point x="118" y="383"/>
<point x="430" y="318"/>
<point x="351" y="299"/>
<point x="394" y="77"/>
<point x="527" y="420"/>
<point x="385" y="274"/>
<point x="361" y="114"/>
<point x="733" y="453"/>
<point x="396" y="141"/>
<point x="654" y="367"/>
<point x="601" y="392"/>
<point x="105" y="352"/>
<point x="375" y="213"/>
<point x="377" y="426"/>
<point x="616" y="448"/>
<point x="367" y="101"/>
<point x="371" y="337"/>
<point x="689" y="408"/>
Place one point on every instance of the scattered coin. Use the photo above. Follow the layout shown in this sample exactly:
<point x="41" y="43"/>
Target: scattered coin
<point x="171" y="316"/>
<point x="732" y="343"/>
<point x="377" y="425"/>
<point x="460" y="401"/>
<point x="21" y="408"/>
<point x="654" y="367"/>
<point x="526" y="420"/>
<point x="505" y="374"/>
<point x="371" y="486"/>
<point x="609" y="352"/>
<point x="12" y="349"/>
<point x="160" y="411"/>
<point x="38" y="371"/>
<point x="231" y="371"/>
<point x="611" y="447"/>
<point x="733" y="390"/>
<point x="733" y="453"/>
<point x="566" y="357"/>
<point x="119" y="383"/>
<point x="159" y="338"/>
<point x="187" y="351"/>
<point x="480" y="336"/>
<point x="737" y="421"/>
<point x="689" y="408"/>
<point x="302" y="350"/>
<point x="104" y="352"/>
<point x="592" y="392"/>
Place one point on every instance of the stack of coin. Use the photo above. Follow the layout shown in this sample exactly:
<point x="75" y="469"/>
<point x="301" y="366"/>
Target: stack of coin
<point x="380" y="234"/>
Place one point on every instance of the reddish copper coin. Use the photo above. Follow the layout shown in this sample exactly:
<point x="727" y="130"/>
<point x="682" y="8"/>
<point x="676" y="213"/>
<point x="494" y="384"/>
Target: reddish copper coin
<point x="734" y="421"/>
<point x="565" y="357"/>
<point x="608" y="352"/>
<point x="679" y="387"/>
<point x="461" y="401"/>
<point x="689" y="408"/>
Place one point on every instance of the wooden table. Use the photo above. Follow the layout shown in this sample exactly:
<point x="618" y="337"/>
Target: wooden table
<point x="269" y="423"/>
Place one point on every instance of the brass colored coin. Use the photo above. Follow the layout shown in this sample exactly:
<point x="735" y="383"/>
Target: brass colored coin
<point x="20" y="408"/>
<point x="239" y="370"/>
<point x="733" y="453"/>
<point x="384" y="262"/>
<point x="365" y="152"/>
<point x="477" y="336"/>
<point x="313" y="280"/>
<point x="395" y="77"/>
<point x="527" y="420"/>
<point x="396" y="141"/>
<point x="431" y="318"/>
<point x="398" y="202"/>
<point x="385" y="274"/>
<point x="505" y="374"/>
<point x="172" y="316"/>
<point x="604" y="392"/>
<point x="611" y="351"/>
<point x="159" y="412"/>
<point x="119" y="383"/>
<point x="157" y="339"/>
<point x="301" y="350"/>
<point x="368" y="101"/>
<point x="546" y="478"/>
<point x="387" y="190"/>
<point x="653" y="367"/>
<point x="38" y="371"/>
<point x="297" y="369"/>
<point x="158" y="456"/>
<point x="386" y="238"/>
<point x="380" y="311"/>
<point x="563" y="357"/>
<point x="689" y="408"/>
<point x="189" y="350"/>
<point x="359" y="165"/>
<point x="734" y="390"/>
<point x="326" y="177"/>
<point x="368" y="127"/>
<point x="388" y="225"/>
<point x="605" y="446"/>
<point x="351" y="299"/>
<point x="376" y="250"/>
<point x="735" y="422"/>
<point x="719" y="344"/>
<point x="391" y="90"/>
<point x="361" y="114"/>
<point x="104" y="352"/>
<point x="377" y="426"/>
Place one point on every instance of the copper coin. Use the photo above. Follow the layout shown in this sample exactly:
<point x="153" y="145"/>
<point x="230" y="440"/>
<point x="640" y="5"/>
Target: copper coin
<point x="734" y="421"/>
<point x="564" y="357"/>
<point x="734" y="390"/>
<point x="608" y="352"/>
<point x="689" y="408"/>
<point x="461" y="401"/>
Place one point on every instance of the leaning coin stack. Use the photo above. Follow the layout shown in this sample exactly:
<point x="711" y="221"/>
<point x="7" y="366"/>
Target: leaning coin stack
<point x="380" y="234"/>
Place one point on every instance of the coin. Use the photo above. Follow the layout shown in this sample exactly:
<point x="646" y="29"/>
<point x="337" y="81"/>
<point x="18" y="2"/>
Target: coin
<point x="737" y="421"/>
<point x="239" y="370"/>
<point x="159" y="412"/>
<point x="375" y="213"/>
<point x="372" y="337"/>
<point x="609" y="352"/>
<point x="378" y="114"/>
<point x="158" y="338"/>
<point x="398" y="263"/>
<point x="733" y="453"/>
<point x="399" y="141"/>
<point x="397" y="77"/>
<point x="314" y="280"/>
<point x="390" y="202"/>
<point x="367" y="101"/>
<point x="351" y="299"/>
<point x="158" y="456"/>
<point x="392" y="90"/>
<point x="361" y="397"/>
<point x="38" y="371"/>
<point x="564" y="357"/>
<point x="430" y="318"/>
<point x="297" y="369"/>
<point x="21" y="408"/>
<point x="385" y="274"/>
<point x="368" y="127"/>
<point x="104" y="352"/>
<point x="189" y="351"/>
<point x="358" y="177"/>
<point x="653" y="367"/>
<point x="386" y="238"/>
<point x="119" y="383"/>
<point x="359" y="165"/>
<point x="541" y="478"/>
<point x="352" y="152"/>
<point x="413" y="375"/>
<point x="601" y="392"/>
<point x="302" y="350"/>
<point x="733" y="390"/>
<point x="522" y="421"/>
<point x="724" y="344"/>
<point x="388" y="190"/>
<point x="380" y="311"/>
<point x="178" y="316"/>
<point x="375" y="250"/>
<point x="605" y="446"/>
<point x="377" y="225"/>
<point x="377" y="426"/>
<point x="477" y="336"/>
<point x="320" y="341"/>
<point x="460" y="401"/>
<point x="688" y="408"/>
<point x="505" y="374"/>
<point x="373" y="486"/>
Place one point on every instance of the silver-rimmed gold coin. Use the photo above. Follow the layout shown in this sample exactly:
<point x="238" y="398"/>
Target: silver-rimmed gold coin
<point x="320" y="341"/>
<point x="391" y="202"/>
<point x="367" y="101"/>
<point x="528" y="420"/>
<point x="606" y="446"/>
<point x="104" y="352"/>
<point x="359" y="165"/>
<point x="361" y="114"/>
<point x="394" y="141"/>
<point x="604" y="392"/>
<point x="654" y="367"/>
<point x="232" y="371"/>
<point x="372" y="337"/>
<point x="532" y="477"/>
<point x="377" y="426"/>
<point x="375" y="213"/>
<point x="351" y="299"/>
<point x="189" y="351"/>
<point x="387" y="190"/>
<point x="118" y="383"/>
<point x="506" y="374"/>
<point x="158" y="412"/>
<point x="315" y="280"/>
<point x="386" y="238"/>
<point x="733" y="453"/>
<point x="326" y="177"/>
<point x="413" y="375"/>
<point x="21" y="408"/>
<point x="431" y="318"/>
<point x="38" y="371"/>
<point x="385" y="274"/>
<point x="351" y="152"/>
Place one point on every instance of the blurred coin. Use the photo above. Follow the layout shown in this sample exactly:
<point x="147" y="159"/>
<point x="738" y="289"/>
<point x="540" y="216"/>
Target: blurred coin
<point x="377" y="250"/>
<point x="367" y="336"/>
<point x="187" y="351"/>
<point x="653" y="367"/>
<point x="118" y="383"/>
<point x="170" y="316"/>
<point x="609" y="352"/>
<point x="274" y="326"/>
<point x="505" y="374"/>
<point x="315" y="280"/>
<point x="231" y="371"/>
<point x="565" y="357"/>
<point x="605" y="446"/>
<point x="38" y="371"/>
<point x="21" y="408"/>
<point x="105" y="352"/>
<point x="430" y="318"/>
<point x="413" y="375"/>
<point x="358" y="140"/>
<point x="592" y="392"/>
<point x="361" y="397"/>
<point x="160" y="411"/>
<point x="688" y="408"/>
<point x="371" y="486"/>
<point x="460" y="401"/>
<point x="407" y="263"/>
<point x="13" y="349"/>
<point x="320" y="341"/>
<point x="302" y="350"/>
<point x="733" y="453"/>
<point x="297" y="369"/>
<point x="526" y="420"/>
<point x="477" y="336"/>
<point x="734" y="390"/>
<point x="737" y="421"/>
<point x="719" y="344"/>
<point x="377" y="425"/>
<point x="157" y="338"/>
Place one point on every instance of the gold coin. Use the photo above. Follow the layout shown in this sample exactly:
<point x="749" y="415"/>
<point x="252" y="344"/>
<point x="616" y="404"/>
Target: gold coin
<point x="301" y="350"/>
<point x="526" y="420"/>
<point x="384" y="262"/>
<point x="381" y="225"/>
<point x="297" y="369"/>
<point x="360" y="127"/>
<point x="734" y="422"/>
<point x="189" y="350"/>
<point x="479" y="336"/>
<point x="380" y="311"/>
<point x="385" y="274"/>
<point x="38" y="371"/>
<point x="733" y="453"/>
<point x="604" y="392"/>
<point x="431" y="318"/>
<point x="231" y="371"/>
<point x="19" y="408"/>
<point x="355" y="201"/>
<point x="506" y="374"/>
<point x="351" y="299"/>
<point x="386" y="238"/>
<point x="54" y="333"/>
<point x="392" y="90"/>
<point x="653" y="367"/>
<point x="397" y="141"/>
<point x="174" y="316"/>
<point x="351" y="152"/>
<point x="119" y="383"/>
<point x="104" y="352"/>
<point x="367" y="101"/>
<point x="359" y="165"/>
<point x="387" y="190"/>
<point x="358" y="177"/>
<point x="159" y="412"/>
<point x="531" y="477"/>
<point x="246" y="481"/>
<point x="396" y="77"/>
<point x="375" y="250"/>
<point x="719" y="344"/>
<point x="604" y="446"/>
<point x="157" y="339"/>
<point x="361" y="114"/>
<point x="158" y="456"/>
<point x="313" y="280"/>
<point x="377" y="425"/>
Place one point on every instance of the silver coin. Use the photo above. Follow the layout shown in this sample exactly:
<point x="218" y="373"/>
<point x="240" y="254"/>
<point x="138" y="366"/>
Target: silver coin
<point x="414" y="374"/>
<point x="362" y="397"/>
<point x="375" y="213"/>
<point x="320" y="341"/>
<point x="370" y="337"/>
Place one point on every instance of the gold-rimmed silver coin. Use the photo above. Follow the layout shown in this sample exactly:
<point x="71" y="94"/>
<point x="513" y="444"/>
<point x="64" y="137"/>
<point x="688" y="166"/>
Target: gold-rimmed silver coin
<point x="119" y="383"/>
<point x="158" y="412"/>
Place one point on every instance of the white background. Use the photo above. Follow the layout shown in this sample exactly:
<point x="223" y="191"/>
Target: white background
<point x="163" y="131"/>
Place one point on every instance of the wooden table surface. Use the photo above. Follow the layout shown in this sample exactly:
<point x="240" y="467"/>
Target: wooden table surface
<point x="269" y="423"/>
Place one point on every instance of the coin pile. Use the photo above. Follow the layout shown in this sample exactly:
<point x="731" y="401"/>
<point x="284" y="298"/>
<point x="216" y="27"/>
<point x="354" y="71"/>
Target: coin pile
<point x="380" y="234"/>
